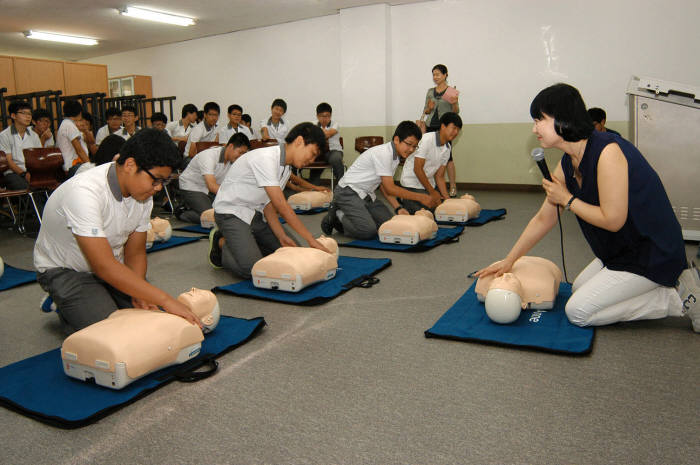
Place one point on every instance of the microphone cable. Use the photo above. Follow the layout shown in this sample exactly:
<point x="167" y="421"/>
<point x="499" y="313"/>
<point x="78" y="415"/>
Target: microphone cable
<point x="561" y="243"/>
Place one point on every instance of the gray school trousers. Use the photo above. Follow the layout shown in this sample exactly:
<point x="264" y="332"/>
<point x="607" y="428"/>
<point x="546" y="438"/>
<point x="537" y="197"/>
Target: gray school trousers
<point x="411" y="205"/>
<point x="245" y="243"/>
<point x="361" y="217"/>
<point x="14" y="182"/>
<point x="196" y="203"/>
<point x="81" y="297"/>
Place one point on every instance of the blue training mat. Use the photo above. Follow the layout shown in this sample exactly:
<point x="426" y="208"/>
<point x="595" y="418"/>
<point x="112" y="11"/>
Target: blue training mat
<point x="548" y="331"/>
<point x="193" y="228"/>
<point x="173" y="242"/>
<point x="444" y="235"/>
<point x="13" y="277"/>
<point x="352" y="272"/>
<point x="38" y="388"/>
<point x="484" y="217"/>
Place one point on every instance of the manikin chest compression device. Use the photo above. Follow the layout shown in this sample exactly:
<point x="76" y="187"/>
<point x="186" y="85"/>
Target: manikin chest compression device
<point x="532" y="283"/>
<point x="159" y="231"/>
<point x="310" y="199"/>
<point x="131" y="343"/>
<point x="458" y="210"/>
<point x="408" y="229"/>
<point x="294" y="268"/>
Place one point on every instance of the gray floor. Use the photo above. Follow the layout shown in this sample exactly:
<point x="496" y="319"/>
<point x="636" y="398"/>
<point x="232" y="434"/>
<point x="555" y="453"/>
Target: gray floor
<point x="355" y="381"/>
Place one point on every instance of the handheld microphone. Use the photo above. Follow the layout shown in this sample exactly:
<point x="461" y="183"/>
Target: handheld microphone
<point x="537" y="154"/>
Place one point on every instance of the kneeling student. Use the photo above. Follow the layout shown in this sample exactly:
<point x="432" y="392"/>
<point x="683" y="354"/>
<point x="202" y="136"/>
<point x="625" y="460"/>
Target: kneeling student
<point x="253" y="189"/>
<point x="426" y="167"/>
<point x="91" y="250"/>
<point x="203" y="176"/>
<point x="355" y="210"/>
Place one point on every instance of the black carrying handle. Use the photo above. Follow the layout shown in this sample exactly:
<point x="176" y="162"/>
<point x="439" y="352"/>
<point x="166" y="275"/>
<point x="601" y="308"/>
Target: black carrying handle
<point x="365" y="281"/>
<point x="187" y="373"/>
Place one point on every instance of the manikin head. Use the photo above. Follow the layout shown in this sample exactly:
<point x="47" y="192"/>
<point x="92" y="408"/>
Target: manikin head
<point x="503" y="302"/>
<point x="426" y="213"/>
<point x="204" y="305"/>
<point x="161" y="229"/>
<point x="206" y="219"/>
<point x="330" y="244"/>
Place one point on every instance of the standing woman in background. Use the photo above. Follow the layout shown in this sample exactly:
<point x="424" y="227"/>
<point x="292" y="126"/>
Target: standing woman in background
<point x="439" y="101"/>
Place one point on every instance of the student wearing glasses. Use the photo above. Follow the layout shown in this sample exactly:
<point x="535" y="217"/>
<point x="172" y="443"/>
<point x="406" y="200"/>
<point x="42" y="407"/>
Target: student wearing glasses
<point x="13" y="140"/>
<point x="356" y="211"/>
<point x="91" y="250"/>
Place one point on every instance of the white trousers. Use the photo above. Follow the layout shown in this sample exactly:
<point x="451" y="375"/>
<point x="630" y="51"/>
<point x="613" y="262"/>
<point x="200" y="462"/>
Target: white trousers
<point x="602" y="297"/>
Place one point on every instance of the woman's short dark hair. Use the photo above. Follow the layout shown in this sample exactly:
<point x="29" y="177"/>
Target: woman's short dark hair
<point x="311" y="134"/>
<point x="441" y="68"/>
<point x="151" y="148"/>
<point x="565" y="104"/>
<point x="109" y="147"/>
<point x="406" y="129"/>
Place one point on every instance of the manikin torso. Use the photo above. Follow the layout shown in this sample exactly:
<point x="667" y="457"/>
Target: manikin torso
<point x="421" y="223"/>
<point x="465" y="208"/>
<point x="310" y="199"/>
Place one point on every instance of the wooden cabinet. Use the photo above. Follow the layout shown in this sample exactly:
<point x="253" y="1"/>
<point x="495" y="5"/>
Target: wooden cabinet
<point x="23" y="75"/>
<point x="33" y="75"/>
<point x="7" y="74"/>
<point x="122" y="86"/>
<point x="85" y="78"/>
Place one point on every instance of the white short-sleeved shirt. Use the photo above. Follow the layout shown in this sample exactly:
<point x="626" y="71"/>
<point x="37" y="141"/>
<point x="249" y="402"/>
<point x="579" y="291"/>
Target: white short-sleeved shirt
<point x="225" y="132"/>
<point x="334" y="141"/>
<point x="104" y="132"/>
<point x="67" y="132"/>
<point x="14" y="144"/>
<point x="177" y="129"/>
<point x="210" y="161"/>
<point x="435" y="156"/>
<point x="124" y="134"/>
<point x="201" y="133"/>
<point x="365" y="174"/>
<point x="50" y="142"/>
<point x="242" y="193"/>
<point x="278" y="132"/>
<point x="89" y="204"/>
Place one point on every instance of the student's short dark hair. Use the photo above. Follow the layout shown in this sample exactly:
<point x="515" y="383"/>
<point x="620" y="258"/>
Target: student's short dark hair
<point x="72" y="108"/>
<point x="246" y="117"/>
<point x="188" y="108"/>
<point x="451" y="118"/>
<point x="113" y="111"/>
<point x="406" y="129"/>
<point x="278" y="102"/>
<point x="565" y="104"/>
<point x="130" y="108"/>
<point x="151" y="148"/>
<point x="158" y="116"/>
<point x="200" y="115"/>
<point x="109" y="147"/>
<point x="40" y="113"/>
<point x="86" y="116"/>
<point x="323" y="108"/>
<point x="311" y="134"/>
<point x="441" y="68"/>
<point x="211" y="106"/>
<point x="239" y="140"/>
<point x="19" y="105"/>
<point x="597" y="114"/>
<point x="235" y="107"/>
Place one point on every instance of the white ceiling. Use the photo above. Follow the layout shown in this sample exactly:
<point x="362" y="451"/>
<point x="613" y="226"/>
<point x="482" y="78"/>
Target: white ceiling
<point x="99" y="19"/>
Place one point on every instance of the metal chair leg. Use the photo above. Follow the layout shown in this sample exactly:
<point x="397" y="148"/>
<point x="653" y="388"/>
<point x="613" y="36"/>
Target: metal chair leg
<point x="36" y="209"/>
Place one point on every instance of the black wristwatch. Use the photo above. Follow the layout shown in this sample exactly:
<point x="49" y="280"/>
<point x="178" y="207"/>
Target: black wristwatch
<point x="568" y="204"/>
<point x="396" y="210"/>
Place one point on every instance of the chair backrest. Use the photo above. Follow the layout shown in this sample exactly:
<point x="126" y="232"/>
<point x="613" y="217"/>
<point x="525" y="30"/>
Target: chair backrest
<point x="181" y="146"/>
<point x="365" y="142"/>
<point x="260" y="143"/>
<point x="199" y="146"/>
<point x="3" y="163"/>
<point x="45" y="165"/>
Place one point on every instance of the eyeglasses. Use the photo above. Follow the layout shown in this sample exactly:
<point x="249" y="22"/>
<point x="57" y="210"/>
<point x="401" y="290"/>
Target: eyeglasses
<point x="25" y="113"/>
<point x="158" y="181"/>
<point x="413" y="147"/>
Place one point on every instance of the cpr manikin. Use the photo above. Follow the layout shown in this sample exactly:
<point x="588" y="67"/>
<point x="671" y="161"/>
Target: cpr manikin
<point x="159" y="231"/>
<point x="294" y="268"/>
<point x="310" y="199"/>
<point x="131" y="343"/>
<point x="532" y="283"/>
<point x="2" y="267"/>
<point x="458" y="210"/>
<point x="408" y="229"/>
<point x="206" y="219"/>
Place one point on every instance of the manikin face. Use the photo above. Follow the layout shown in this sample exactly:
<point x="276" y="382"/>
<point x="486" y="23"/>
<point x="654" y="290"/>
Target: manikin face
<point x="438" y="77"/>
<point x="302" y="154"/>
<point x="544" y="130"/>
<point x="405" y="147"/>
<point x="324" y="118"/>
<point x="114" y="122"/>
<point x="211" y="117"/>
<point x="277" y="112"/>
<point x="235" y="117"/>
<point x="42" y="125"/>
<point x="129" y="118"/>
<point x="449" y="132"/>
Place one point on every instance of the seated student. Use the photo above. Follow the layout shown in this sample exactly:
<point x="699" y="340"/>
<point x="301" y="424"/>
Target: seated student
<point x="234" y="126"/>
<point x="41" y="124"/>
<point x="253" y="188"/>
<point x="180" y="130"/>
<point x="334" y="156"/>
<point x="110" y="146"/>
<point x="91" y="250"/>
<point x="275" y="127"/>
<point x="200" y="181"/>
<point x="355" y="210"/>
<point x="13" y="140"/>
<point x="599" y="116"/>
<point x="69" y="138"/>
<point x="206" y="131"/>
<point x="129" y="118"/>
<point x="114" y="124"/>
<point x="159" y="121"/>
<point x="426" y="167"/>
<point x="88" y="139"/>
<point x="247" y="121"/>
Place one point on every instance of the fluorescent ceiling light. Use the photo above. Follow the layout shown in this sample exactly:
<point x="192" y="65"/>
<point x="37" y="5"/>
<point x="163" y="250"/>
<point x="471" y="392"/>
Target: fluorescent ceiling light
<point x="59" y="38"/>
<point x="156" y="16"/>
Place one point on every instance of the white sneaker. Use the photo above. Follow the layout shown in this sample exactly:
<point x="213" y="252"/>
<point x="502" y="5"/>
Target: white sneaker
<point x="689" y="292"/>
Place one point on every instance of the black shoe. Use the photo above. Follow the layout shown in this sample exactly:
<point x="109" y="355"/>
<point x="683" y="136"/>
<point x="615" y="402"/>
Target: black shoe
<point x="179" y="210"/>
<point x="214" y="249"/>
<point x="326" y="225"/>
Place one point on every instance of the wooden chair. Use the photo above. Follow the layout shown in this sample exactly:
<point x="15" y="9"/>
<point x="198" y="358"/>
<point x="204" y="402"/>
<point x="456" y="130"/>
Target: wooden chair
<point x="17" y="218"/>
<point x="199" y="146"/>
<point x="45" y="166"/>
<point x="365" y="142"/>
<point x="260" y="143"/>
